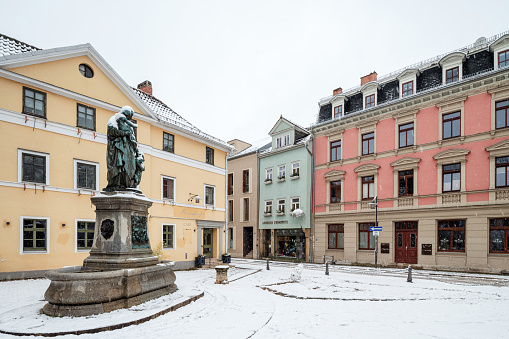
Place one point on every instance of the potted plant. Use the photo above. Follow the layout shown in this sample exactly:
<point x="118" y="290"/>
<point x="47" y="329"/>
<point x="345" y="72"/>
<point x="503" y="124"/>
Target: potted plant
<point x="294" y="175"/>
<point x="268" y="181"/>
<point x="199" y="260"/>
<point x="227" y="258"/>
<point x="281" y="178"/>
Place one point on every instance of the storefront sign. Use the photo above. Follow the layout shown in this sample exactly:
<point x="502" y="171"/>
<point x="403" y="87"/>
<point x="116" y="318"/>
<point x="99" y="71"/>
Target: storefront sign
<point x="426" y="249"/>
<point x="384" y="247"/>
<point x="275" y="222"/>
<point x="188" y="212"/>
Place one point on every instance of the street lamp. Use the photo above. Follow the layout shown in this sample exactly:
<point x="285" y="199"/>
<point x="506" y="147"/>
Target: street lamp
<point x="374" y="204"/>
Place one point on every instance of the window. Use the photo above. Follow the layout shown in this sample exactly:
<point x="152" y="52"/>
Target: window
<point x="86" y="175"/>
<point x="86" y="117"/>
<point x="338" y="111"/>
<point x="368" y="143"/>
<point x="168" y="236"/>
<point x="230" y="238"/>
<point x="335" y="192"/>
<point x="295" y="203"/>
<point x="209" y="155"/>
<point x="370" y="101"/>
<point x="503" y="59"/>
<point x="452" y="75"/>
<point x="168" y="188"/>
<point x="35" y="234"/>
<point x="451" y="235"/>
<point x="209" y="195"/>
<point x="281" y="172"/>
<point x="34" y="102"/>
<point x="245" y="181"/>
<point x="451" y="125"/>
<point x="295" y="169"/>
<point x="230" y="210"/>
<point x="368" y="187"/>
<point x="86" y="71"/>
<point x="246" y="209"/>
<point x="499" y="235"/>
<point x="406" y="183"/>
<point x="85" y="234"/>
<point x="168" y="142"/>
<point x="407" y="89"/>
<point x="283" y="141"/>
<point x="34" y="168"/>
<point x="366" y="237"/>
<point x="268" y="174"/>
<point x="502" y="169"/>
<point x="268" y="207"/>
<point x="451" y="175"/>
<point x="230" y="183"/>
<point x="336" y="236"/>
<point x="502" y="113"/>
<point x="281" y="203"/>
<point x="406" y="135"/>
<point x="335" y="150"/>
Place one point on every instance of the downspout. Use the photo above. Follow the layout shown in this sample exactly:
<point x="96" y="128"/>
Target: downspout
<point x="258" y="206"/>
<point x="226" y="205"/>
<point x="312" y="235"/>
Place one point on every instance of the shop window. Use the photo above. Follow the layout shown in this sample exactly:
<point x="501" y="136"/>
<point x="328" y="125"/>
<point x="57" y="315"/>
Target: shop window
<point x="168" y="236"/>
<point x="366" y="237"/>
<point x="368" y="143"/>
<point x="368" y="187"/>
<point x="86" y="117"/>
<point x="452" y="75"/>
<point x="85" y="234"/>
<point x="168" y="142"/>
<point x="451" y="125"/>
<point x="168" y="188"/>
<point x="503" y="59"/>
<point x="86" y="175"/>
<point x="502" y="113"/>
<point x="337" y="236"/>
<point x="451" y="178"/>
<point x="290" y="243"/>
<point x="338" y="111"/>
<point x="407" y="89"/>
<point x="246" y="209"/>
<point x="34" y="102"/>
<point x="406" y="183"/>
<point x="245" y="181"/>
<point x="209" y="155"/>
<point x="209" y="195"/>
<point x="335" y="150"/>
<point x="370" y="101"/>
<point x="502" y="169"/>
<point x="35" y="235"/>
<point x="406" y="135"/>
<point x="230" y="183"/>
<point x="230" y="210"/>
<point x="451" y="236"/>
<point x="499" y="235"/>
<point x="335" y="191"/>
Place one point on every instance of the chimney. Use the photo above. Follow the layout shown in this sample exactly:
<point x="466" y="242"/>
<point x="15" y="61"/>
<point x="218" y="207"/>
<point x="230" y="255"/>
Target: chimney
<point x="338" y="90"/>
<point x="368" y="78"/>
<point x="146" y="86"/>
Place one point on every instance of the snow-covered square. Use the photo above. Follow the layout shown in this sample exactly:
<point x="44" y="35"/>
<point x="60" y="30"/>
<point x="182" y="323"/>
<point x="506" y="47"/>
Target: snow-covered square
<point x="350" y="302"/>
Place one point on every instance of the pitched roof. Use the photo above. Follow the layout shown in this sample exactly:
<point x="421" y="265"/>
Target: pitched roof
<point x="10" y="46"/>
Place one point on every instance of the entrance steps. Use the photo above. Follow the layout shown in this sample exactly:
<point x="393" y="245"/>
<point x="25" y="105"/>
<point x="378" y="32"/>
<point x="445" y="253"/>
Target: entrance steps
<point x="249" y="255"/>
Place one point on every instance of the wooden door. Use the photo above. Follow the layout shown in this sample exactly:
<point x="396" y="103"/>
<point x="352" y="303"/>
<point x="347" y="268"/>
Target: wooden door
<point x="207" y="242"/>
<point x="406" y="242"/>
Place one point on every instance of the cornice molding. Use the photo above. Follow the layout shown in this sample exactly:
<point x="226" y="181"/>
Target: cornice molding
<point x="406" y="161"/>
<point x="451" y="155"/>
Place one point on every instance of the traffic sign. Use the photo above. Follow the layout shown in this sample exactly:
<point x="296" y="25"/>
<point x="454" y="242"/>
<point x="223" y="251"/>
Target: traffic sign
<point x="375" y="228"/>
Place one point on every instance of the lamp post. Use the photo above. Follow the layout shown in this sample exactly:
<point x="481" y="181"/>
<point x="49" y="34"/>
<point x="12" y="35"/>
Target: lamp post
<point x="374" y="204"/>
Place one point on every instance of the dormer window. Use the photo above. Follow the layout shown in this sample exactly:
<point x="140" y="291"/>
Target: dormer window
<point x="452" y="75"/>
<point x="407" y="89"/>
<point x="370" y="101"/>
<point x="283" y="141"/>
<point x="503" y="59"/>
<point x="369" y="93"/>
<point x="452" y="67"/>
<point x="407" y="80"/>
<point x="338" y="111"/>
<point x="500" y="50"/>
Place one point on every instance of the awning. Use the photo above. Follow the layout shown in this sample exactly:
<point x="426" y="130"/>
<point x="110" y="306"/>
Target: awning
<point x="209" y="224"/>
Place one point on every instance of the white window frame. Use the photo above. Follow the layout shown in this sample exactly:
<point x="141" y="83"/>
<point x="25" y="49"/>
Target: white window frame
<point x="339" y="100"/>
<point x="48" y="235"/>
<point x="174" y="187"/>
<point x="408" y="75"/>
<point x="174" y="236"/>
<point x="267" y="173"/>
<point x="451" y="106"/>
<point x="286" y="139"/>
<point x="76" y="161"/>
<point x="205" y="196"/>
<point x="76" y="249"/>
<point x="281" y="202"/>
<point x="293" y="168"/>
<point x="283" y="140"/>
<point x="20" y="165"/>
<point x="500" y="45"/>
<point x="452" y="60"/>
<point x="267" y="203"/>
<point x="369" y="89"/>
<point x="294" y="205"/>
<point x="279" y="176"/>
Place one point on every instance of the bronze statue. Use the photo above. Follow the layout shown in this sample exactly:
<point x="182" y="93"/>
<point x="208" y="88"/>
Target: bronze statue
<point x="124" y="159"/>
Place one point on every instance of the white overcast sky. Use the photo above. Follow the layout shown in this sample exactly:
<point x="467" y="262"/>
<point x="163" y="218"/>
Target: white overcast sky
<point x="232" y="68"/>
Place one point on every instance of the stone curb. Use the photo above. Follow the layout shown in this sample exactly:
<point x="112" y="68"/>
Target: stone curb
<point x="112" y="327"/>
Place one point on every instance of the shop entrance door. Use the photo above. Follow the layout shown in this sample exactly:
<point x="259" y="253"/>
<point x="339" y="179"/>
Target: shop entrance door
<point x="406" y="242"/>
<point x="247" y="241"/>
<point x="207" y="243"/>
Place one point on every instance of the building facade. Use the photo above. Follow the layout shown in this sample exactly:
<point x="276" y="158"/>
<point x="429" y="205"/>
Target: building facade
<point x="431" y="142"/>
<point x="285" y="186"/>
<point x="54" y="108"/>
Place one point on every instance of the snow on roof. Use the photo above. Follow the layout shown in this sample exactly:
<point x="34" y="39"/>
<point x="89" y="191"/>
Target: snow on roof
<point x="169" y="116"/>
<point x="9" y="46"/>
<point x="261" y="145"/>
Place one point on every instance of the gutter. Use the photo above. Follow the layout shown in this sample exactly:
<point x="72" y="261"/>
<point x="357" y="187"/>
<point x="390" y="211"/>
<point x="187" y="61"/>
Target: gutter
<point x="312" y="233"/>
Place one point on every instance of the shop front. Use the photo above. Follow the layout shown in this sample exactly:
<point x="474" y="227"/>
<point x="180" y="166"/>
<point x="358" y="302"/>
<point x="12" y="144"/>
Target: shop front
<point x="290" y="244"/>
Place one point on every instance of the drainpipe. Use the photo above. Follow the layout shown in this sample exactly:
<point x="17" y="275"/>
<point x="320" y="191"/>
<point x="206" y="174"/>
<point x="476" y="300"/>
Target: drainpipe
<point x="258" y="205"/>
<point x="312" y="233"/>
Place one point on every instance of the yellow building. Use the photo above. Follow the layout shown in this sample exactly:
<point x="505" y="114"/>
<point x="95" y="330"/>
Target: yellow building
<point x="54" y="107"/>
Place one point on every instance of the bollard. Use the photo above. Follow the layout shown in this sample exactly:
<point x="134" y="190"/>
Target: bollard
<point x="409" y="279"/>
<point x="268" y="264"/>
<point x="327" y="268"/>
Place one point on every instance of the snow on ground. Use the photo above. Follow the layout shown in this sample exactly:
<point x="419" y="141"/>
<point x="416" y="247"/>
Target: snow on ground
<point x="350" y="302"/>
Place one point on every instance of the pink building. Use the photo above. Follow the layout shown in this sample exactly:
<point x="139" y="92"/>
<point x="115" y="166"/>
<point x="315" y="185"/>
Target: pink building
<point x="431" y="141"/>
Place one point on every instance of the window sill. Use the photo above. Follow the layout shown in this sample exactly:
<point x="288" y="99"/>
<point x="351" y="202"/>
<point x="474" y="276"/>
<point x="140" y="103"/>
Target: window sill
<point x="267" y="214"/>
<point x="281" y="180"/>
<point x="267" y="182"/>
<point x="280" y="213"/>
<point x="35" y="252"/>
<point x="83" y="250"/>
<point x="86" y="128"/>
<point x="295" y="177"/>
<point x="168" y="248"/>
<point x="451" y="252"/>
<point x="34" y="115"/>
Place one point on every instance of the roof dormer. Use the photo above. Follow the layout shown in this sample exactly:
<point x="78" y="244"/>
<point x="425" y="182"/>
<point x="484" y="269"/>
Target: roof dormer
<point x="452" y="67"/>
<point x="500" y="49"/>
<point x="407" y="82"/>
<point x="338" y="105"/>
<point x="369" y="94"/>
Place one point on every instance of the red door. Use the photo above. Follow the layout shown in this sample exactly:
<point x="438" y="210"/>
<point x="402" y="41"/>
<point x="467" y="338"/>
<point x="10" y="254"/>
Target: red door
<point x="406" y="242"/>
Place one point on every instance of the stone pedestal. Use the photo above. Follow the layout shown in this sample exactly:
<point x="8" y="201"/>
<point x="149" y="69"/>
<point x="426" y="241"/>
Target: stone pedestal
<point x="222" y="274"/>
<point x="121" y="233"/>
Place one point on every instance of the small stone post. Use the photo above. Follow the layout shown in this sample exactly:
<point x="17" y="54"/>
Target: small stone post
<point x="409" y="279"/>
<point x="222" y="274"/>
<point x="326" y="268"/>
<point x="268" y="268"/>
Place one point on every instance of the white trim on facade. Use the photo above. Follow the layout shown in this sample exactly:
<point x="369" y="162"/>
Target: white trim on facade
<point x="20" y="166"/>
<point x="174" y="187"/>
<point x="174" y="237"/>
<point x="76" y="174"/>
